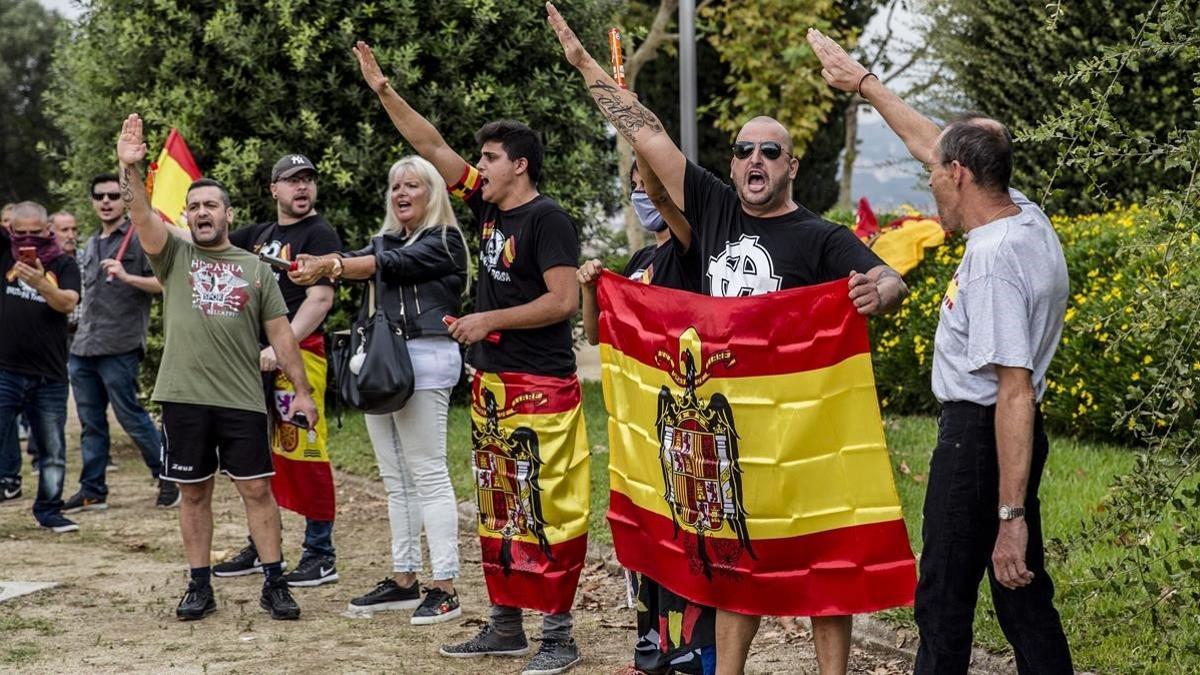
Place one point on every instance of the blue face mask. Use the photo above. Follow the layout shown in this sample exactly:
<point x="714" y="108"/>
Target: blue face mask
<point x="649" y="216"/>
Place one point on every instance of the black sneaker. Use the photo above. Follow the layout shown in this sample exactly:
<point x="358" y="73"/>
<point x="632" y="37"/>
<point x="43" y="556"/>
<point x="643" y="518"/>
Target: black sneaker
<point x="245" y="562"/>
<point x="387" y="596"/>
<point x="197" y="603"/>
<point x="168" y="494"/>
<point x="554" y="656"/>
<point x="438" y="606"/>
<point x="312" y="571"/>
<point x="278" y="600"/>
<point x="487" y="643"/>
<point x="81" y="502"/>
<point x="59" y="525"/>
<point x="9" y="489"/>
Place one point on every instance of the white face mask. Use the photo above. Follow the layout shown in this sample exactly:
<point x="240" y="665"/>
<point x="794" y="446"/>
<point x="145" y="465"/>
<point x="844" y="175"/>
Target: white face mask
<point x="649" y="216"/>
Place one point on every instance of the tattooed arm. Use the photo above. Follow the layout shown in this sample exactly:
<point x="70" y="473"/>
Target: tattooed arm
<point x="632" y="120"/>
<point x="131" y="150"/>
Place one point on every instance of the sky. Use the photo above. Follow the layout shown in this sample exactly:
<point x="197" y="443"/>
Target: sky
<point x="883" y="172"/>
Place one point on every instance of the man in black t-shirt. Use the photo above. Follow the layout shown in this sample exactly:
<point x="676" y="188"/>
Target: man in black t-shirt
<point x="520" y="345"/>
<point x="40" y="288"/>
<point x="753" y="239"/>
<point x="303" y="480"/>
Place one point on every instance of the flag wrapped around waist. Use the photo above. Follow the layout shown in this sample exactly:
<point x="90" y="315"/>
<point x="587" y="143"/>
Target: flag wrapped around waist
<point x="532" y="485"/>
<point x="748" y="467"/>
<point x="303" y="480"/>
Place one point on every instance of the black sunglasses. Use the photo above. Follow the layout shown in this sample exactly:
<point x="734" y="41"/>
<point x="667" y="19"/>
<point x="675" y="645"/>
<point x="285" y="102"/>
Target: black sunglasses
<point x="112" y="196"/>
<point x="769" y="149"/>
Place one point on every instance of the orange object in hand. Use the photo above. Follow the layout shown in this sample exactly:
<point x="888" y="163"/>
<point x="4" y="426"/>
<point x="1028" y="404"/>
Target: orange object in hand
<point x="617" y="56"/>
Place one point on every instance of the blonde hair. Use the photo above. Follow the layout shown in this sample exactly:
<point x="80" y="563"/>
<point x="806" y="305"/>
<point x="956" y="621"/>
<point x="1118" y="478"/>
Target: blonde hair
<point x="438" y="212"/>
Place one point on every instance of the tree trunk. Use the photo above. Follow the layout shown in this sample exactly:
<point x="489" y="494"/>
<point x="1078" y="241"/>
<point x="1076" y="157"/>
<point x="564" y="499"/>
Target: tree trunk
<point x="846" y="188"/>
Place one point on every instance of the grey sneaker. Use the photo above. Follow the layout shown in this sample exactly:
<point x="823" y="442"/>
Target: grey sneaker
<point x="554" y="656"/>
<point x="488" y="643"/>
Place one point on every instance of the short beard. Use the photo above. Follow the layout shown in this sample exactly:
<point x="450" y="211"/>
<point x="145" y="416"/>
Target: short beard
<point x="768" y="197"/>
<point x="219" y="233"/>
<point x="293" y="213"/>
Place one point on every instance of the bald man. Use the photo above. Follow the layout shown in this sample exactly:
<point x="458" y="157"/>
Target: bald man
<point x="754" y="239"/>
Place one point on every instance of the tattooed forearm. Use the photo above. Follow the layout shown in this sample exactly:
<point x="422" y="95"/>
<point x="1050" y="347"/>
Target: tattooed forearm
<point x="126" y="181"/>
<point x="628" y="116"/>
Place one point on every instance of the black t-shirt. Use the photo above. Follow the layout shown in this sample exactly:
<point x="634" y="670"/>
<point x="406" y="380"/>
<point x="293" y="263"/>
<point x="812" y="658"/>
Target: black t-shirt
<point x="744" y="255"/>
<point x="311" y="235"/>
<point x="516" y="247"/>
<point x="34" y="338"/>
<point x="664" y="265"/>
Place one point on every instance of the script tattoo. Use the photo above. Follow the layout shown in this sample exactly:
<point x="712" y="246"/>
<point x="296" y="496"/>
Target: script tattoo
<point x="628" y="118"/>
<point x="126" y="190"/>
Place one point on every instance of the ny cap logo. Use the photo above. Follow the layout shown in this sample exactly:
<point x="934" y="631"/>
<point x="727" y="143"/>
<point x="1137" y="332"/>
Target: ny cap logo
<point x="297" y="159"/>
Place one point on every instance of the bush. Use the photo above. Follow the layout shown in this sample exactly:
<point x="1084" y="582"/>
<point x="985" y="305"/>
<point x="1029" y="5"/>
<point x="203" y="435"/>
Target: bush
<point x="1104" y="358"/>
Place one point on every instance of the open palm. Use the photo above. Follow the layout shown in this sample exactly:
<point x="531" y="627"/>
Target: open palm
<point x="131" y="147"/>
<point x="572" y="48"/>
<point x="370" y="67"/>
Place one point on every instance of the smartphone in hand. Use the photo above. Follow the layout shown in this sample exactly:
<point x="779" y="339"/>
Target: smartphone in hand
<point x="27" y="255"/>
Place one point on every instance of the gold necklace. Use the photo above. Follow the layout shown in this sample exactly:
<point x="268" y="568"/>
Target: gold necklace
<point x="1002" y="210"/>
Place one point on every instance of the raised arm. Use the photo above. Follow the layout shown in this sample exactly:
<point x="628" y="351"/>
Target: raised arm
<point x="131" y="150"/>
<point x="918" y="132"/>
<point x="415" y="129"/>
<point x="657" y="192"/>
<point x="620" y="107"/>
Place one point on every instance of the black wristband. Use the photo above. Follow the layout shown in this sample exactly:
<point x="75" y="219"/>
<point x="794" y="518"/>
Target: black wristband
<point x="864" y="79"/>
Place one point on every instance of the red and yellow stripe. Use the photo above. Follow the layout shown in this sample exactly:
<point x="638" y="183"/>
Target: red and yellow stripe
<point x="523" y="569"/>
<point x="303" y="480"/>
<point x="822" y="515"/>
<point x="173" y="173"/>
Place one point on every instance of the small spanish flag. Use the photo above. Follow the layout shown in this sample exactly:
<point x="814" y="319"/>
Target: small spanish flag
<point x="903" y="242"/>
<point x="748" y="465"/>
<point x="170" y="177"/>
<point x="530" y="458"/>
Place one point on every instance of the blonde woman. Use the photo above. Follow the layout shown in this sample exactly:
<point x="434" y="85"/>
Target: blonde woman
<point x="424" y="266"/>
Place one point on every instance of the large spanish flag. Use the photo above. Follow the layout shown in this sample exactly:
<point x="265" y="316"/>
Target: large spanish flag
<point x="748" y="465"/>
<point x="171" y="175"/>
<point x="303" y="480"/>
<point x="530" y="458"/>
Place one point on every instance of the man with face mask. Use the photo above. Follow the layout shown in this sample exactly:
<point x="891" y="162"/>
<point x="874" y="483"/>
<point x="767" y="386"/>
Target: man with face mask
<point x="304" y="480"/>
<point x="753" y="239"/>
<point x="671" y="262"/>
<point x="217" y="300"/>
<point x="40" y="288"/>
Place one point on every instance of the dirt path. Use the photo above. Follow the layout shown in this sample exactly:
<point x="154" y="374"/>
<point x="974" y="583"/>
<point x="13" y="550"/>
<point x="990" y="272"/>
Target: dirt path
<point x="122" y="574"/>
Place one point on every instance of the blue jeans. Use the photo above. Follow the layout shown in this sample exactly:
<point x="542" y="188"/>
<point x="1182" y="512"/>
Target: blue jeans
<point x="46" y="402"/>
<point x="99" y="381"/>
<point x="318" y="539"/>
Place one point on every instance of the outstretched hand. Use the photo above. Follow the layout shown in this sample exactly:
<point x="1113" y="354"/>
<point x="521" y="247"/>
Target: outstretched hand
<point x="131" y="147"/>
<point x="837" y="67"/>
<point x="572" y="48"/>
<point x="371" y="72"/>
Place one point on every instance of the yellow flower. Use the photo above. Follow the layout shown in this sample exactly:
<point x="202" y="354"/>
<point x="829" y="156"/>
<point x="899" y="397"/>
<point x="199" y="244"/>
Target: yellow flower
<point x="1135" y="377"/>
<point x="1148" y="360"/>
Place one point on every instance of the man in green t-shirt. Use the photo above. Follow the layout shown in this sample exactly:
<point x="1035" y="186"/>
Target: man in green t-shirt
<point x="217" y="298"/>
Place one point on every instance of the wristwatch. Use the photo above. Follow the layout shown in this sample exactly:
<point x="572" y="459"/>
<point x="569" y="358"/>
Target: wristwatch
<point x="1011" y="512"/>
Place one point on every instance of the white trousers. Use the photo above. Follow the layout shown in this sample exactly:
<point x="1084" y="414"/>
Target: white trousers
<point x="410" y="447"/>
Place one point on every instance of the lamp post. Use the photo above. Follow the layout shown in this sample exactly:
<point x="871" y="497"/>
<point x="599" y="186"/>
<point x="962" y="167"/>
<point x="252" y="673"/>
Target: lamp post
<point x="687" y="78"/>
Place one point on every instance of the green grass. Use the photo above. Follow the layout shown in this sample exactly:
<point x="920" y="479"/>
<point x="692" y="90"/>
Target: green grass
<point x="1073" y="489"/>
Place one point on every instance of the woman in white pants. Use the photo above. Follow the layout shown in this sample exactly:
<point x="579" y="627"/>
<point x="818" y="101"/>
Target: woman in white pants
<point x="424" y="273"/>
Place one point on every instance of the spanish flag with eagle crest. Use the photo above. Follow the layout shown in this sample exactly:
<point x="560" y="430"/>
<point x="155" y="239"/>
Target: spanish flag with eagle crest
<point x="748" y="465"/>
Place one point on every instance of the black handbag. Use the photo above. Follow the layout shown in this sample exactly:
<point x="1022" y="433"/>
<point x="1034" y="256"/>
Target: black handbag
<point x="385" y="380"/>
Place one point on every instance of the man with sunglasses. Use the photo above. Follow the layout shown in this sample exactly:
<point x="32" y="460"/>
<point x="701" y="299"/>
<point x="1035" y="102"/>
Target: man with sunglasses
<point x="1000" y="323"/>
<point x="753" y="239"/>
<point x="108" y="347"/>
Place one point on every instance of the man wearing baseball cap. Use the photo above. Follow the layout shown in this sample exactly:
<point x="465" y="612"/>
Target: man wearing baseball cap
<point x="303" y="480"/>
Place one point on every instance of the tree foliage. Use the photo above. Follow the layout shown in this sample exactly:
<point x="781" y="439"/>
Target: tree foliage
<point x="246" y="82"/>
<point x="1005" y="58"/>
<point x="28" y="32"/>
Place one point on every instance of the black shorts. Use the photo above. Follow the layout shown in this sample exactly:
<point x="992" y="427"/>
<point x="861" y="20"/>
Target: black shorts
<point x="199" y="440"/>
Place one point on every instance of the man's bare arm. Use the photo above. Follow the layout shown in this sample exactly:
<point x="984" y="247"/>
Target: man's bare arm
<point x="131" y="150"/>
<point x="417" y="130"/>
<point x="892" y="289"/>
<point x="558" y="303"/>
<point x="621" y="108"/>
<point x="918" y="132"/>
<point x="1016" y="409"/>
<point x="657" y="192"/>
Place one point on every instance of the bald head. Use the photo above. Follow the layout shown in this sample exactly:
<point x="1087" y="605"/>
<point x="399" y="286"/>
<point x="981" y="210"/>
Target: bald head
<point x="763" y="128"/>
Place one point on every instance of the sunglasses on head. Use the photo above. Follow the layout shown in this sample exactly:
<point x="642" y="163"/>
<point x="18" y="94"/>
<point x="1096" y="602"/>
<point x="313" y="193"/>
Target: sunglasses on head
<point x="112" y="196"/>
<point x="769" y="149"/>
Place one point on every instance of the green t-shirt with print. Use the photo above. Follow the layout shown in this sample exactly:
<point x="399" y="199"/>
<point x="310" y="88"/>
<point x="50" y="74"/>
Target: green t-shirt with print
<point x="214" y="306"/>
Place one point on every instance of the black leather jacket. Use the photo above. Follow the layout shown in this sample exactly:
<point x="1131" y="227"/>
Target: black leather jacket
<point x="431" y="275"/>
